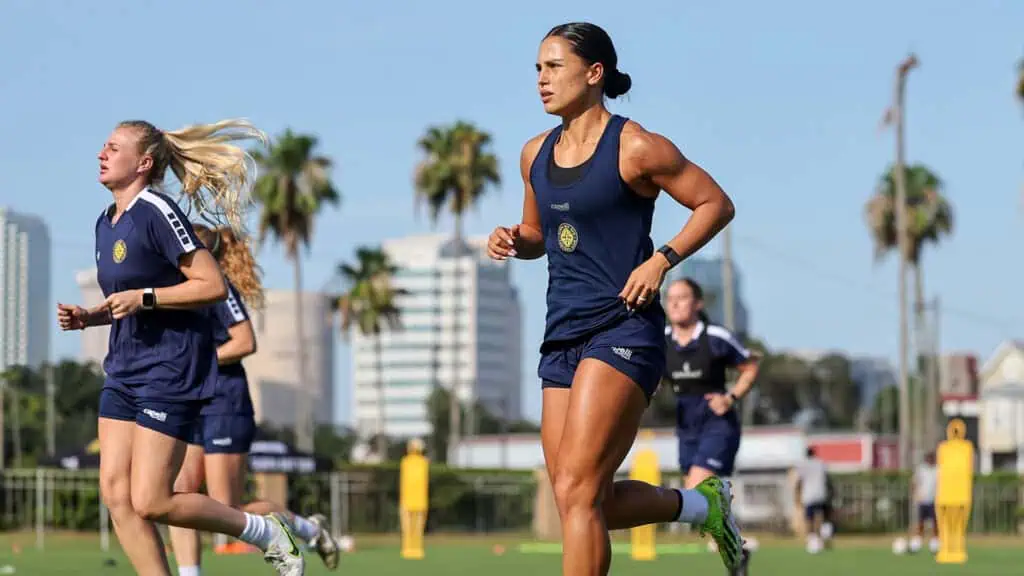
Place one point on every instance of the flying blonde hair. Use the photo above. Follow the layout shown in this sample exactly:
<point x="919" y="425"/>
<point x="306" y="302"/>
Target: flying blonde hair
<point x="234" y="255"/>
<point x="216" y="175"/>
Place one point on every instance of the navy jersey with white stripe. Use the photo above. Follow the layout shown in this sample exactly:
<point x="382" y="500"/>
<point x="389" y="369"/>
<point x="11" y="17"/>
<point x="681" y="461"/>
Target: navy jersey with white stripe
<point x="158" y="354"/>
<point x="699" y="366"/>
<point x="596" y="232"/>
<point x="232" y="385"/>
<point x="724" y="345"/>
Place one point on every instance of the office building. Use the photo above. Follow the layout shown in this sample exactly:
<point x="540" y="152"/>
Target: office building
<point x="26" y="306"/>
<point x="708" y="273"/>
<point x="274" y="375"/>
<point x="461" y="325"/>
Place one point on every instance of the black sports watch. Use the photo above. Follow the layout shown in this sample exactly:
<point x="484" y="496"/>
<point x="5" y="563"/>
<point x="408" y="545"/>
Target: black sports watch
<point x="148" y="299"/>
<point x="671" y="255"/>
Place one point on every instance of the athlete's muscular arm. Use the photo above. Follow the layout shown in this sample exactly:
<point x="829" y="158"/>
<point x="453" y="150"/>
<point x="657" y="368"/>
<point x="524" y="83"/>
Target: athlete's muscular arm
<point x="204" y="283"/>
<point x="650" y="163"/>
<point x="241" y="343"/>
<point x="655" y="161"/>
<point x="526" y="239"/>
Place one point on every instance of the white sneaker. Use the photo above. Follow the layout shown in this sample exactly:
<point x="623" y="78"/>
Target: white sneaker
<point x="324" y="543"/>
<point x="282" y="552"/>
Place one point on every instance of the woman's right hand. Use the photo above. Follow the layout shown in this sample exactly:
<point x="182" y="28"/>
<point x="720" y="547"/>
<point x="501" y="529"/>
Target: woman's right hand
<point x="501" y="245"/>
<point x="71" y="316"/>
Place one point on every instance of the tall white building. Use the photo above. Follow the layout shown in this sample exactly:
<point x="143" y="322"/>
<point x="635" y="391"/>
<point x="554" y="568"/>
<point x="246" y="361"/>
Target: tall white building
<point x="273" y="371"/>
<point x="458" y="311"/>
<point x="26" y="308"/>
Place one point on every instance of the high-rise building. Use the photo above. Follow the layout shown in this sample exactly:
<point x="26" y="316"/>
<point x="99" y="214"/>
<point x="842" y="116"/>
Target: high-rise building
<point x="461" y="324"/>
<point x="26" y="307"/>
<point x="273" y="370"/>
<point x="708" y="273"/>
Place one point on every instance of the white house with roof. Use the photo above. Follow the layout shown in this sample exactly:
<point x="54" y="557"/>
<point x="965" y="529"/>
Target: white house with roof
<point x="1001" y="409"/>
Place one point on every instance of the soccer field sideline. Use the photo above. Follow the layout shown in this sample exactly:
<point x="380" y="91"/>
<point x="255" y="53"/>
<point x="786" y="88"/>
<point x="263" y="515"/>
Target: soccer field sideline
<point x="500" y="555"/>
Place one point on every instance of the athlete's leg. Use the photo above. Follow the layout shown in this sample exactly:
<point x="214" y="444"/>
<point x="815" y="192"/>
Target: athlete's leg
<point x="158" y="451"/>
<point x="185" y="541"/>
<point x="602" y="418"/>
<point x="226" y="474"/>
<point x="225" y="478"/>
<point x="225" y="482"/>
<point x="139" y="539"/>
<point x="696" y="475"/>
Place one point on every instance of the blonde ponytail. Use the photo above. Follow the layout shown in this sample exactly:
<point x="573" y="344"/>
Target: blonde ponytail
<point x="216" y="175"/>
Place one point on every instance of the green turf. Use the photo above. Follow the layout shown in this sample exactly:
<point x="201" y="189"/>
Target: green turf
<point x="64" y="556"/>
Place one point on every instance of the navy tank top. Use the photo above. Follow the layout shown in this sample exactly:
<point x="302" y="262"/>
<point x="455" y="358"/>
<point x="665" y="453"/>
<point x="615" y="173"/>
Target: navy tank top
<point x="597" y="230"/>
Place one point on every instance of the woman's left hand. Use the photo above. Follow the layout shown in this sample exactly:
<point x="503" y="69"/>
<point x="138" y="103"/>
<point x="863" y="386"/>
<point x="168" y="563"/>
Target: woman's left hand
<point x="719" y="403"/>
<point x="125" y="303"/>
<point x="645" y="281"/>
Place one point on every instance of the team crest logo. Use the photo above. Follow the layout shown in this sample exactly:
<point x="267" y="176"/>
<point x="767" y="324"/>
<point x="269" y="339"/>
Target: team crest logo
<point x="567" y="237"/>
<point x="120" y="251"/>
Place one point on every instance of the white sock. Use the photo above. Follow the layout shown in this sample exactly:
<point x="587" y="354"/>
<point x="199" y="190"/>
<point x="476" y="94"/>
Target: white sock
<point x="303" y="528"/>
<point x="259" y="531"/>
<point x="188" y="570"/>
<point x="695" y="507"/>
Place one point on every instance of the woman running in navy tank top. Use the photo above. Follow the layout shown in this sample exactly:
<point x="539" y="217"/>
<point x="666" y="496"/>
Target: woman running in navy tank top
<point x="590" y="186"/>
<point x="161" y="366"/>
<point x="220" y="446"/>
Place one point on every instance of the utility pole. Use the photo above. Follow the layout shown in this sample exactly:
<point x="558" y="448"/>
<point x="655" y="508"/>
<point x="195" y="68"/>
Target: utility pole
<point x="898" y="118"/>
<point x="51" y="416"/>
<point x="3" y="424"/>
<point x="728" y="289"/>
<point x="932" y="394"/>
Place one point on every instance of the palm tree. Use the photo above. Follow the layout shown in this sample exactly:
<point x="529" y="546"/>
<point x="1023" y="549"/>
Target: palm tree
<point x="369" y="306"/>
<point x="929" y="220"/>
<point x="1020" y="81"/>
<point x="457" y="169"/>
<point x="294" y="185"/>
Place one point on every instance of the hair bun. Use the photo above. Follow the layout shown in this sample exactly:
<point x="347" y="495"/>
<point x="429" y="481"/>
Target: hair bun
<point x="617" y="84"/>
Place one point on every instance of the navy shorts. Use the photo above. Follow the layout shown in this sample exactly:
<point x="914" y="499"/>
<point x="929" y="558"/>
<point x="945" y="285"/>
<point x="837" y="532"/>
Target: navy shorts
<point x="175" y="419"/>
<point x="225" y="433"/>
<point x="925" y="512"/>
<point x="632" y="347"/>
<point x="813" y="510"/>
<point x="705" y="438"/>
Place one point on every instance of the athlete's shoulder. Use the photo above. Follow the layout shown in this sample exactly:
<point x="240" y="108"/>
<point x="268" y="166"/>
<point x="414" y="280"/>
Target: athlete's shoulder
<point x="720" y="332"/>
<point x="152" y="205"/>
<point x="531" y="149"/>
<point x="645" y="147"/>
<point x="107" y="211"/>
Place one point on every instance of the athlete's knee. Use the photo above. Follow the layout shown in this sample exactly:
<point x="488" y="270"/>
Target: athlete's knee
<point x="577" y="489"/>
<point x="187" y="481"/>
<point x="151" y="502"/>
<point x="115" y="489"/>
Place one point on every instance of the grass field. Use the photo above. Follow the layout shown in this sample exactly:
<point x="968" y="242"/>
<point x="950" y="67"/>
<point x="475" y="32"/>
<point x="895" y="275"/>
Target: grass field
<point x="66" y="555"/>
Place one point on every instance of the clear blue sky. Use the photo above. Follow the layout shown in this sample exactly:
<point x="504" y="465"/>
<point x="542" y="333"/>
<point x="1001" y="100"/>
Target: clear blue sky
<point x="780" y="101"/>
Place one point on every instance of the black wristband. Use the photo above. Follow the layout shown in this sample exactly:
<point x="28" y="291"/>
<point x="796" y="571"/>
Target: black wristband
<point x="671" y="255"/>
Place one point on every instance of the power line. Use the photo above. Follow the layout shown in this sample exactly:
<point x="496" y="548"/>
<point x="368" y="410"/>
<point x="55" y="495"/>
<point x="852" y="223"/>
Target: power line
<point x="812" y="268"/>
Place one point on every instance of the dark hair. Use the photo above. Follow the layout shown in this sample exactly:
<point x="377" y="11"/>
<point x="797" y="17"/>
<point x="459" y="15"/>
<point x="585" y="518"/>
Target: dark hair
<point x="698" y="294"/>
<point x="810" y="452"/>
<point x="591" y="43"/>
